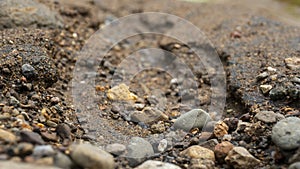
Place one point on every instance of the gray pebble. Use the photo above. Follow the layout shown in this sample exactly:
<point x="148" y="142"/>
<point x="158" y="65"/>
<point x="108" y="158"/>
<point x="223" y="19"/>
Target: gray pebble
<point x="28" y="71"/>
<point x="88" y="156"/>
<point x="116" y="149"/>
<point x="196" y="118"/>
<point x="268" y="116"/>
<point x="42" y="151"/>
<point x="286" y="133"/>
<point x="63" y="161"/>
<point x="138" y="149"/>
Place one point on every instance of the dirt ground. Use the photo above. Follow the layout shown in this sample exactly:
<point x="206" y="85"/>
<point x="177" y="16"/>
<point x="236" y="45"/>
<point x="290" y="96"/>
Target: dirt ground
<point x="258" y="44"/>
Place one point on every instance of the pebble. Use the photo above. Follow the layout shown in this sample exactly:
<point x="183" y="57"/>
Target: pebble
<point x="7" y="136"/>
<point x="23" y="149"/>
<point x="286" y="133"/>
<point x="202" y="164"/>
<point x="268" y="116"/>
<point x="210" y="144"/>
<point x="240" y="158"/>
<point x="138" y="149"/>
<point x="13" y="101"/>
<point x="162" y="145"/>
<point x="63" y="161"/>
<point x="149" y="115"/>
<point x="116" y="149"/>
<point x="265" y="88"/>
<point x="17" y="165"/>
<point x="121" y="92"/>
<point x="64" y="131"/>
<point x="88" y="156"/>
<point x="262" y="76"/>
<point x="55" y="100"/>
<point x="28" y="71"/>
<point x="292" y="63"/>
<point x="31" y="137"/>
<point x="222" y="149"/>
<point x="278" y="93"/>
<point x="220" y="129"/>
<point x="43" y="151"/>
<point x="196" y="118"/>
<point x="198" y="152"/>
<point x="151" y="164"/>
<point x="295" y="165"/>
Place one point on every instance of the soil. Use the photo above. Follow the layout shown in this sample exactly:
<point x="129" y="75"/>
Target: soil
<point x="248" y="39"/>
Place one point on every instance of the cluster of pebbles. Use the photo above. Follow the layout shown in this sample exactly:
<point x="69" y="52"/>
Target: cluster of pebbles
<point x="39" y="127"/>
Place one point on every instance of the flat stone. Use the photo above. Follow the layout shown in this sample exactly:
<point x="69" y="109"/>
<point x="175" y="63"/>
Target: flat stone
<point x="240" y="158"/>
<point x="286" y="133"/>
<point x="149" y="115"/>
<point x="151" y="164"/>
<point x="116" y="149"/>
<point x="196" y="118"/>
<point x="198" y="152"/>
<point x="121" y="92"/>
<point x="7" y="136"/>
<point x="31" y="137"/>
<point x="268" y="116"/>
<point x="88" y="156"/>
<point x="265" y="88"/>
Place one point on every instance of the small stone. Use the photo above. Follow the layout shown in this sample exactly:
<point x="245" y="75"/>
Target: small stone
<point x="13" y="101"/>
<point x="43" y="151"/>
<point x="149" y="115"/>
<point x="151" y="164"/>
<point x="262" y="76"/>
<point x="44" y="161"/>
<point x="121" y="92"/>
<point x="23" y="149"/>
<point x="265" y="88"/>
<point x="88" y="156"/>
<point x="295" y="166"/>
<point x="49" y="136"/>
<point x="116" y="149"/>
<point x="162" y="145"/>
<point x="202" y="164"/>
<point x="138" y="149"/>
<point x="210" y="144"/>
<point x="158" y="127"/>
<point x="31" y="137"/>
<point x="222" y="150"/>
<point x="268" y="116"/>
<point x="240" y="158"/>
<point x="220" y="129"/>
<point x="296" y="80"/>
<point x="227" y="137"/>
<point x="286" y="133"/>
<point x="198" y="152"/>
<point x="7" y="136"/>
<point x="292" y="63"/>
<point x="270" y="69"/>
<point x="55" y="100"/>
<point x="28" y="71"/>
<point x="63" y="161"/>
<point x="196" y="118"/>
<point x="64" y="131"/>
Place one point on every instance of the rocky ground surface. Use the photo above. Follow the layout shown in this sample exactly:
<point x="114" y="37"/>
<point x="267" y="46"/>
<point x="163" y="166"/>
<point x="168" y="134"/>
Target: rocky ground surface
<point x="40" y="126"/>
